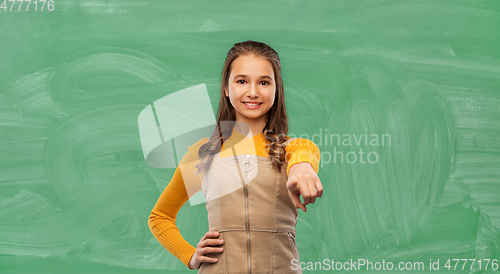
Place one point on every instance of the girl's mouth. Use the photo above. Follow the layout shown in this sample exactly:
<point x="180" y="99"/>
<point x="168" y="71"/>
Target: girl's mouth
<point x="252" y="105"/>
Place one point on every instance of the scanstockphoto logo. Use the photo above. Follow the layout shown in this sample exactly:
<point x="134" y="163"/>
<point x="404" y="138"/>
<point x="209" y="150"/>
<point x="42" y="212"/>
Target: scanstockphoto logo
<point x="173" y="123"/>
<point x="348" y="148"/>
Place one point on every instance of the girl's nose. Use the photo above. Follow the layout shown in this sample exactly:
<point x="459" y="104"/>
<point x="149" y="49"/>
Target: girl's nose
<point x="252" y="91"/>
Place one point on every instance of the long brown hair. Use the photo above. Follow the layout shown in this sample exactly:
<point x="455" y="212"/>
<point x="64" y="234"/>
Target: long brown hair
<point x="276" y="128"/>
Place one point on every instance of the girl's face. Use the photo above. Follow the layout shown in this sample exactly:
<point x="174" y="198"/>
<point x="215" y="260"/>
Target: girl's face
<point x="251" y="81"/>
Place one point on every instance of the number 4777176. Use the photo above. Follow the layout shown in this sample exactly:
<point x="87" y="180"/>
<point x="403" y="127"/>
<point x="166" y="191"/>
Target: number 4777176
<point x="38" y="5"/>
<point x="481" y="264"/>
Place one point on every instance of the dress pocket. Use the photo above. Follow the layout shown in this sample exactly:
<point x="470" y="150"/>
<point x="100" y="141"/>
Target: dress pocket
<point x="293" y="244"/>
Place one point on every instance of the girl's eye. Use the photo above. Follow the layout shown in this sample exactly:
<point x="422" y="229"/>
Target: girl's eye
<point x="241" y="81"/>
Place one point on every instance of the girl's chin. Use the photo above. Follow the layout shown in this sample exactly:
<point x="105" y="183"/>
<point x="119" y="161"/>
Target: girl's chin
<point x="252" y="115"/>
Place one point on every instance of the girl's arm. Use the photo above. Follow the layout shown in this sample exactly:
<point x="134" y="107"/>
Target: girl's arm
<point x="302" y="150"/>
<point x="161" y="222"/>
<point x="302" y="177"/>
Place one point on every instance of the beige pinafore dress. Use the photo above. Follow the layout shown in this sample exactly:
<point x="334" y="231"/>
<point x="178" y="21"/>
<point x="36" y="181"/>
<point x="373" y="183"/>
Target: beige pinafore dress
<point x="248" y="204"/>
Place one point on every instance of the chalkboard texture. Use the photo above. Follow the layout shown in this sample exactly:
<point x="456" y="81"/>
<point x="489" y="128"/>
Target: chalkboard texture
<point x="401" y="97"/>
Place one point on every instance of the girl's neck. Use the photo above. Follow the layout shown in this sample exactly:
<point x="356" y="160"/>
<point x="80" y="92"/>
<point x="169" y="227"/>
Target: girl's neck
<point x="249" y="130"/>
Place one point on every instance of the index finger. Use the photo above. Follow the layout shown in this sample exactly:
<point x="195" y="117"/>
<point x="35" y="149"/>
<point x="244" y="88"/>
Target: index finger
<point x="319" y="188"/>
<point x="211" y="234"/>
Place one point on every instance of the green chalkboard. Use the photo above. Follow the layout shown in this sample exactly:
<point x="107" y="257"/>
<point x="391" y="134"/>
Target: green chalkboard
<point x="401" y="97"/>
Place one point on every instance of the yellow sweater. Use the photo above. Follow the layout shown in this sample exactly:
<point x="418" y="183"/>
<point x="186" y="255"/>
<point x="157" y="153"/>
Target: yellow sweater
<point x="175" y="195"/>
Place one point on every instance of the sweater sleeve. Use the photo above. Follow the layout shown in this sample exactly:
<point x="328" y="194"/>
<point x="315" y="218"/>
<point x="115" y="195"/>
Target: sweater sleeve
<point x="302" y="150"/>
<point x="161" y="222"/>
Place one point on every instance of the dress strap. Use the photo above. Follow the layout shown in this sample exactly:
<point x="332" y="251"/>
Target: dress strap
<point x="216" y="156"/>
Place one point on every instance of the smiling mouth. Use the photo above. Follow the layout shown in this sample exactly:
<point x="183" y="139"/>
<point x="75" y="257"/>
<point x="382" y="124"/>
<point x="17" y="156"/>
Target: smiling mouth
<point x="252" y="104"/>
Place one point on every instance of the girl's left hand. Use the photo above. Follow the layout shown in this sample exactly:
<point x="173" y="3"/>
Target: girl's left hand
<point x="303" y="180"/>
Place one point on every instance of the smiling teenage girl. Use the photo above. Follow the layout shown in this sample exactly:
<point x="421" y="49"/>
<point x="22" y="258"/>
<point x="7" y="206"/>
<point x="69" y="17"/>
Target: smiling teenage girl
<point x="251" y="173"/>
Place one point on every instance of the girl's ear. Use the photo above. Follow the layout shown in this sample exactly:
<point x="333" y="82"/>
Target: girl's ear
<point x="226" y="92"/>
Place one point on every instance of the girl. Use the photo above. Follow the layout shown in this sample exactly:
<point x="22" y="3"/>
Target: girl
<point x="251" y="173"/>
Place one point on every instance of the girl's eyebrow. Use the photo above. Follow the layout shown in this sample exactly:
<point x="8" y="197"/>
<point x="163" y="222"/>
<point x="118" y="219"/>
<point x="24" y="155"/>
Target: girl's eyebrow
<point x="262" y="77"/>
